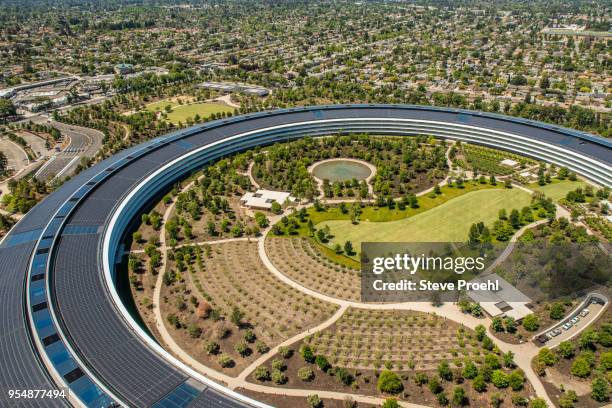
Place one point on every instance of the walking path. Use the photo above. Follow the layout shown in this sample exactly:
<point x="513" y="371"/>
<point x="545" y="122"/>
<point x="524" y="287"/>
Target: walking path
<point x="227" y="99"/>
<point x="245" y="373"/>
<point x="523" y="353"/>
<point x="249" y="173"/>
<point x="163" y="247"/>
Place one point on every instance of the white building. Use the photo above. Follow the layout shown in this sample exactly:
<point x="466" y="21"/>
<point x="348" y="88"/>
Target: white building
<point x="506" y="301"/>
<point x="509" y="163"/>
<point x="263" y="199"/>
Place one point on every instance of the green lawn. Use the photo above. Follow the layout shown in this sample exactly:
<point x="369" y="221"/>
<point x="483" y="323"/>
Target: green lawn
<point x="558" y="188"/>
<point x="180" y="113"/>
<point x="447" y="222"/>
<point x="426" y="202"/>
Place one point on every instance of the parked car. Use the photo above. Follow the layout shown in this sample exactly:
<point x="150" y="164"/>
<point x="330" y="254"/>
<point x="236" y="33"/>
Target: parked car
<point x="567" y="326"/>
<point x="575" y="320"/>
<point x="584" y="312"/>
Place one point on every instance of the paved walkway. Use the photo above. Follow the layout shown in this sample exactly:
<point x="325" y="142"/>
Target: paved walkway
<point x="162" y="246"/>
<point x="249" y="173"/>
<point x="524" y="353"/>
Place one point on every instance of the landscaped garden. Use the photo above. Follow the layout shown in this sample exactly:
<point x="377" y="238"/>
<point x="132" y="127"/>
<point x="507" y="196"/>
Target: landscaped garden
<point x="302" y="260"/>
<point x="419" y="357"/>
<point x="403" y="165"/>
<point x="225" y="308"/>
<point x="558" y="189"/>
<point x="555" y="265"/>
<point x="578" y="372"/>
<point x="448" y="222"/>
<point x="485" y="160"/>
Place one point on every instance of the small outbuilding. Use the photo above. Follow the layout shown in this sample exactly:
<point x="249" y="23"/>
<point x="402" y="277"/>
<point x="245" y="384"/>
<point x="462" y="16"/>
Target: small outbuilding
<point x="510" y="163"/>
<point x="507" y="301"/>
<point x="263" y="199"/>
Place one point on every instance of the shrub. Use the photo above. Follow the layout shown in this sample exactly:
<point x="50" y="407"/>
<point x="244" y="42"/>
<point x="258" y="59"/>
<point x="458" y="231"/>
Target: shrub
<point x="481" y="332"/>
<point x="236" y="316"/>
<point x="285" y="352"/>
<point x="434" y="385"/>
<point x="307" y="354"/>
<point x="479" y="383"/>
<point x="538" y="403"/>
<point x="243" y="349"/>
<point x="420" y="378"/>
<point x="174" y="320"/>
<point x="349" y="402"/>
<point x="225" y="361"/>
<point x="519" y="401"/>
<point x="261" y="373"/>
<point x="588" y="340"/>
<point x="566" y="349"/>
<point x="499" y="379"/>
<point x="508" y="359"/>
<point x="194" y="331"/>
<point x="278" y="377"/>
<point x="567" y="399"/>
<point x="496" y="400"/>
<point x="444" y="371"/>
<point x="278" y="364"/>
<point x="599" y="390"/>
<point x="531" y="323"/>
<point x="492" y="361"/>
<point x="305" y="374"/>
<point x="510" y="324"/>
<point x="557" y="310"/>
<point x="487" y="343"/>
<point x="249" y="336"/>
<point x="211" y="347"/>
<point x="581" y="367"/>
<point x="516" y="380"/>
<point x="460" y="398"/>
<point x="344" y="376"/>
<point x="203" y="310"/>
<point x="442" y="399"/>
<point x="261" y="347"/>
<point x="314" y="401"/>
<point x="546" y="357"/>
<point x="605" y="360"/>
<point x="470" y="370"/>
<point x="497" y="324"/>
<point x="322" y="362"/>
<point x="390" y="403"/>
<point x="389" y="382"/>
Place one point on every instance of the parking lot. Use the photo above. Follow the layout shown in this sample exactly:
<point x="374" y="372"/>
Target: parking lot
<point x="567" y="333"/>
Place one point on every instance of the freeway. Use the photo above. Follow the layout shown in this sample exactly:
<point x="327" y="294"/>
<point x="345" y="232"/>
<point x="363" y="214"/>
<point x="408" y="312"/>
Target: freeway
<point x="71" y="239"/>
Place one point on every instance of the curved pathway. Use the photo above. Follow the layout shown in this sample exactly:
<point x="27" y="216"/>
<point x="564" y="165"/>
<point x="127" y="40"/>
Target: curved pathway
<point x="523" y="353"/>
<point x="249" y="173"/>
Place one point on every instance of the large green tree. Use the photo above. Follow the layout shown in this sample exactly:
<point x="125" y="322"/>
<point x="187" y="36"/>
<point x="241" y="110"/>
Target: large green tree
<point x="6" y="108"/>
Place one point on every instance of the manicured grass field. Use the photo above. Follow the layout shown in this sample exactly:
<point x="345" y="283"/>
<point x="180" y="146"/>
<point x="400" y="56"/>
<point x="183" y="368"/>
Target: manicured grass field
<point x="375" y="214"/>
<point x="447" y="222"/>
<point x="180" y="113"/>
<point x="558" y="188"/>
